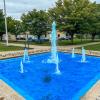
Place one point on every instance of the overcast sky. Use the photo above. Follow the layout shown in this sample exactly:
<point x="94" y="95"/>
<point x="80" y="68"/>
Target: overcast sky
<point x="16" y="7"/>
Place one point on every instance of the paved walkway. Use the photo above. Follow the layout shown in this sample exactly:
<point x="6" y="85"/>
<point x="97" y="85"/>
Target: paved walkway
<point x="93" y="93"/>
<point x="7" y="93"/>
<point x="41" y="49"/>
<point x="37" y="47"/>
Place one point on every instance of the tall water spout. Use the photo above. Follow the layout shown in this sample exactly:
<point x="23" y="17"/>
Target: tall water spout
<point x="26" y="56"/>
<point x="54" y="53"/>
<point x="57" y="66"/>
<point x="83" y="55"/>
<point x="21" y="67"/>
<point x="73" y="53"/>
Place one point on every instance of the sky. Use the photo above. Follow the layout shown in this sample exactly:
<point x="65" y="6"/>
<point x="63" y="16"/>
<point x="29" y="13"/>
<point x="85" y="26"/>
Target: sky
<point x="16" y="8"/>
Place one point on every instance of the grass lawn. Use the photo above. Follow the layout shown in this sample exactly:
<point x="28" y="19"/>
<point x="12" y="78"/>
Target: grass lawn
<point x="95" y="47"/>
<point x="76" y="42"/>
<point x="9" y="48"/>
<point x="60" y="42"/>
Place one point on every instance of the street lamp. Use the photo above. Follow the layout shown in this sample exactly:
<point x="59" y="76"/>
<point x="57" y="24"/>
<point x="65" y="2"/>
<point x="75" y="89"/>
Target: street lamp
<point x="5" y="15"/>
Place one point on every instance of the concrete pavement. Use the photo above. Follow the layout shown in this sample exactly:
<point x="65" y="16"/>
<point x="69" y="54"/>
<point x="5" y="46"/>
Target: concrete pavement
<point x="39" y="47"/>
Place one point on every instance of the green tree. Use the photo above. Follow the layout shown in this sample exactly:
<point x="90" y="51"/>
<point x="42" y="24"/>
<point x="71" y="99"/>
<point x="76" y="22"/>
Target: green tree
<point x="14" y="26"/>
<point x="94" y="22"/>
<point x="2" y="24"/>
<point x="36" y="22"/>
<point x="73" y="16"/>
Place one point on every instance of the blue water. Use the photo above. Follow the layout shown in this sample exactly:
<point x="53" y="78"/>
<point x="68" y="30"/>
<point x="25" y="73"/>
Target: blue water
<point x="74" y="78"/>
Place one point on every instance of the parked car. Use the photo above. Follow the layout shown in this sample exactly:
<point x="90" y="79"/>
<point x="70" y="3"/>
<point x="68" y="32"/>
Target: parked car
<point x="20" y="37"/>
<point x="36" y="40"/>
<point x="30" y="39"/>
<point x="42" y="40"/>
<point x="65" y="38"/>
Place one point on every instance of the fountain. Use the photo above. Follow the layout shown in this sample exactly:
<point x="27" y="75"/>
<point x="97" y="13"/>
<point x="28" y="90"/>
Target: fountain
<point x="73" y="53"/>
<point x="25" y="57"/>
<point x="54" y="53"/>
<point x="83" y="55"/>
<point x="57" y="66"/>
<point x="21" y="67"/>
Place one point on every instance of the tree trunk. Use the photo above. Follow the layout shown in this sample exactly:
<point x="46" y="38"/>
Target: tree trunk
<point x="81" y="38"/>
<point x="72" y="38"/>
<point x="16" y="37"/>
<point x="93" y="36"/>
<point x="45" y="35"/>
<point x="39" y="38"/>
<point x="25" y="40"/>
<point x="1" y="37"/>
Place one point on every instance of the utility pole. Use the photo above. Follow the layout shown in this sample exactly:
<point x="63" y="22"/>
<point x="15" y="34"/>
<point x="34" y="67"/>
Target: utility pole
<point x="5" y="15"/>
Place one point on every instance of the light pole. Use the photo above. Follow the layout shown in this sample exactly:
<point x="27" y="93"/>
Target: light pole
<point x="5" y="15"/>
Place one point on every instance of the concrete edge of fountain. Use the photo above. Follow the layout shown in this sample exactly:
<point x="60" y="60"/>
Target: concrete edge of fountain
<point x="5" y="55"/>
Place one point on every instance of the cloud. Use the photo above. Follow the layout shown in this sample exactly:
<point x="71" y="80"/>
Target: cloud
<point x="16" y="8"/>
<point x="98" y="1"/>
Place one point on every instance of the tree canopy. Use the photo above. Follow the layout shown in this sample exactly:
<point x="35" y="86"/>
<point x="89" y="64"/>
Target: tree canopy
<point x="14" y="26"/>
<point x="72" y="17"/>
<point x="2" y="24"/>
<point x="76" y="16"/>
<point x="36" y="22"/>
